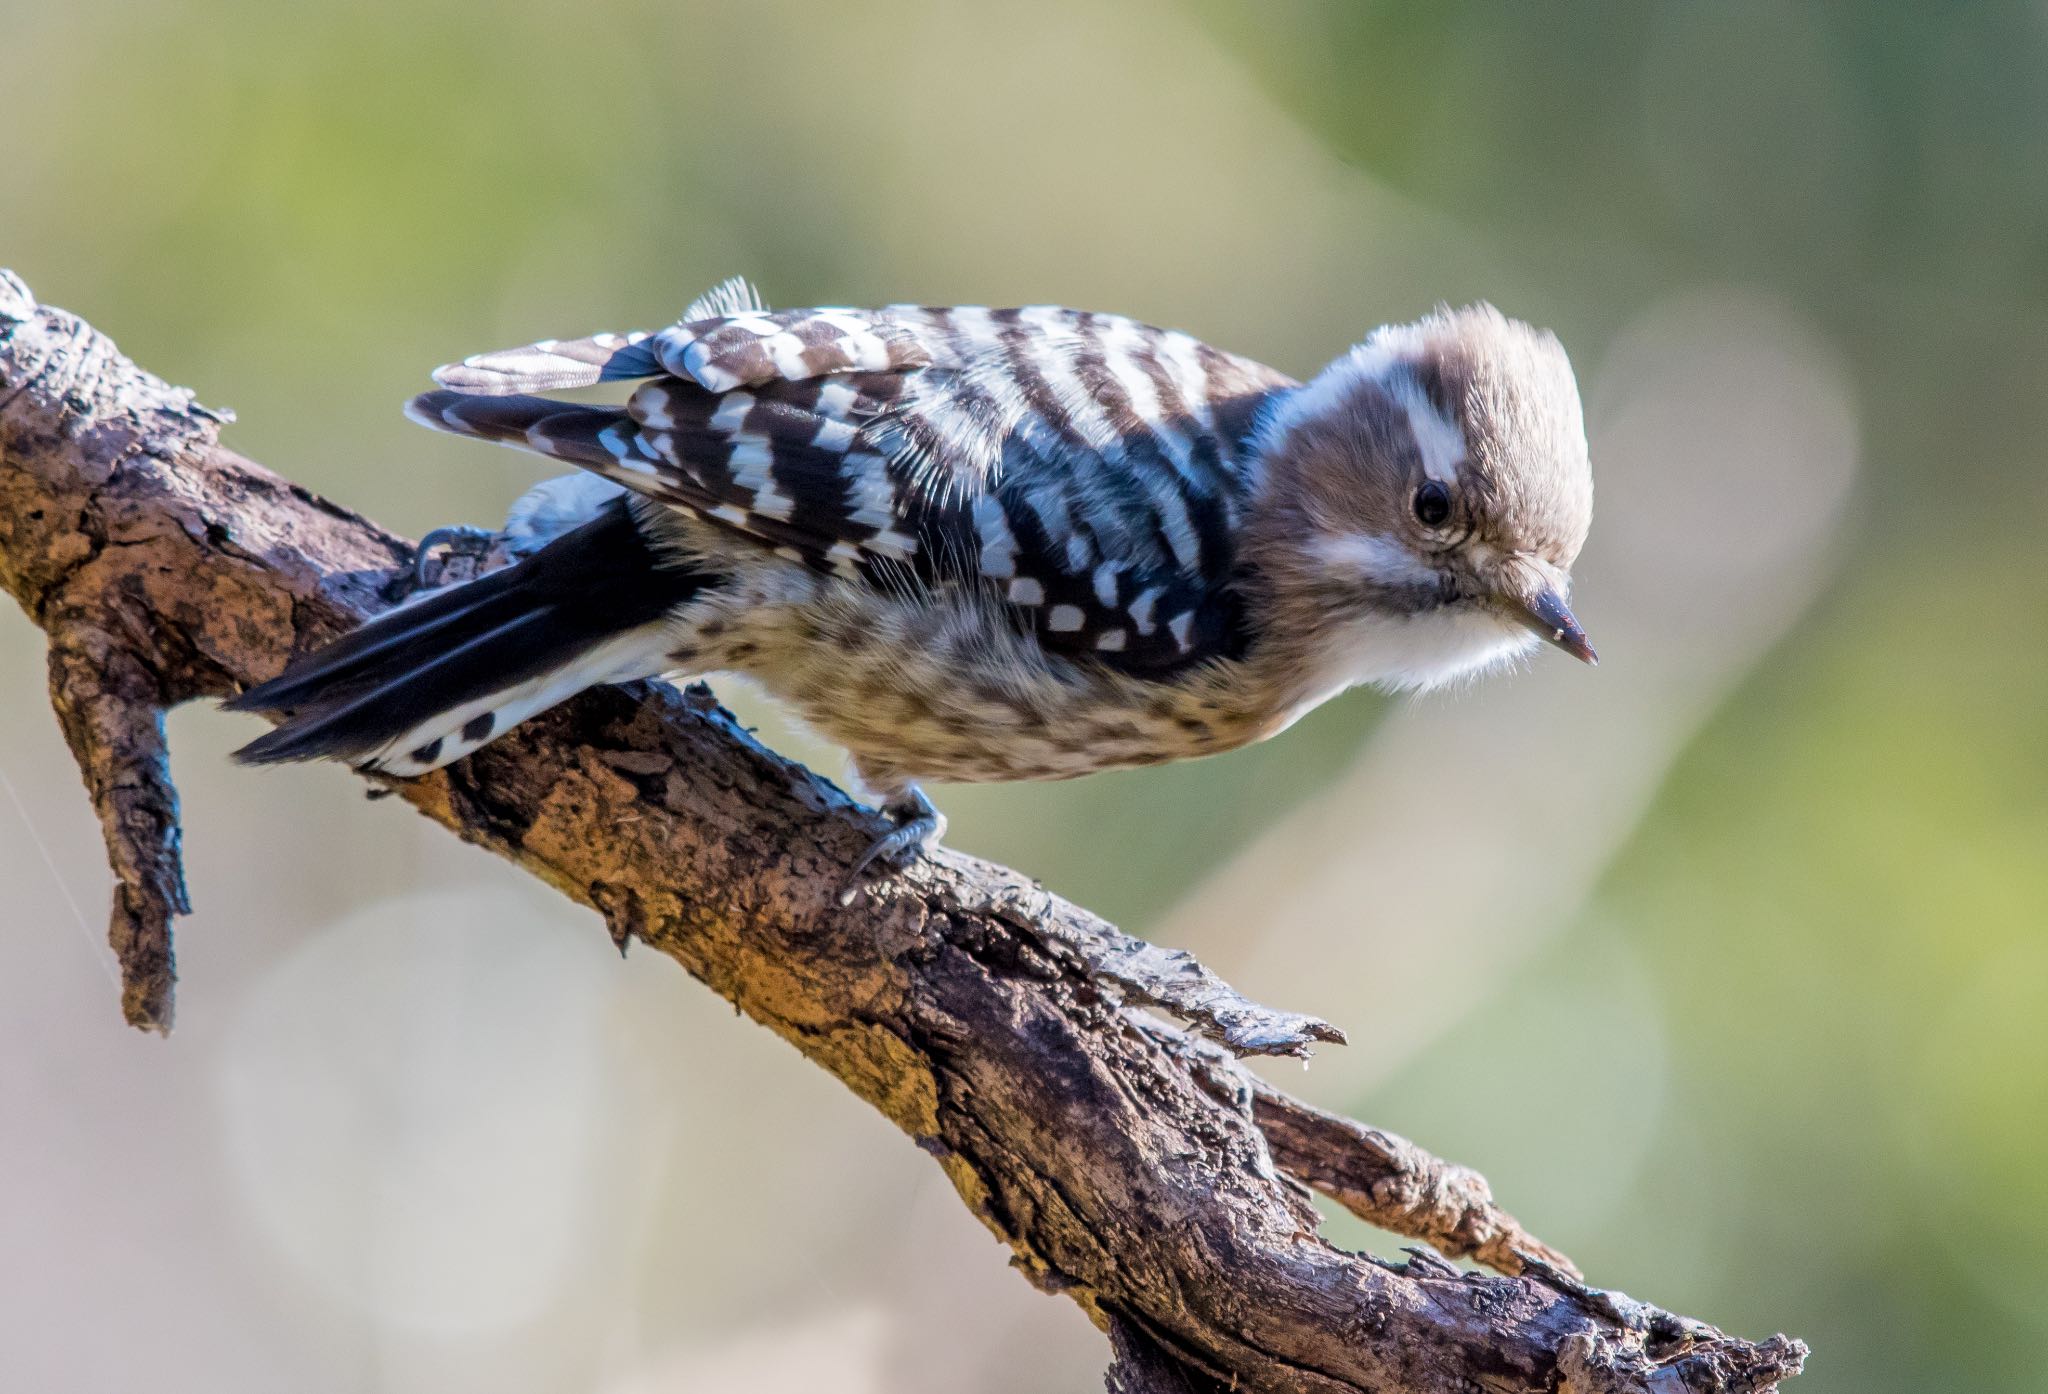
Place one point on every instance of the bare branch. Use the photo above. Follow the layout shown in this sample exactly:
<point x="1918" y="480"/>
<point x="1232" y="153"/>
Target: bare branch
<point x="1381" y="1177"/>
<point x="1143" y="1173"/>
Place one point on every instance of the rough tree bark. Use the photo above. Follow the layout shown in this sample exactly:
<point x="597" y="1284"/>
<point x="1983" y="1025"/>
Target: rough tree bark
<point x="1131" y="1164"/>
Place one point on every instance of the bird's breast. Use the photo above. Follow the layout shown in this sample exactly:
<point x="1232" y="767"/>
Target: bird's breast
<point x="923" y="687"/>
<point x="1393" y="652"/>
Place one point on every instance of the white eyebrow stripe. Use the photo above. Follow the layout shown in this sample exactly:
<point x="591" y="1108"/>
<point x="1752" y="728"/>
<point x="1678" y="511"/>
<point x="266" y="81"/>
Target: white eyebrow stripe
<point x="1441" y="442"/>
<point x="1376" y="557"/>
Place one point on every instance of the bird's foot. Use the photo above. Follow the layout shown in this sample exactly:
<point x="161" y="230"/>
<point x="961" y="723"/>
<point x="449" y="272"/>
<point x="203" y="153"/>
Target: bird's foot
<point x="460" y="539"/>
<point x="919" y="826"/>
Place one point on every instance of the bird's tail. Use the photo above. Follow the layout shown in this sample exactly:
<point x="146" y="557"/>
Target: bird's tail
<point x="431" y="681"/>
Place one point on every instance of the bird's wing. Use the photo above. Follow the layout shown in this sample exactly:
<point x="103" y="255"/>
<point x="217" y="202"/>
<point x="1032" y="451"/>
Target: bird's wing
<point x="1086" y="470"/>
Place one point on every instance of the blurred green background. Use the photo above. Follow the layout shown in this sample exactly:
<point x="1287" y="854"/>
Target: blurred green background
<point x="1726" y="962"/>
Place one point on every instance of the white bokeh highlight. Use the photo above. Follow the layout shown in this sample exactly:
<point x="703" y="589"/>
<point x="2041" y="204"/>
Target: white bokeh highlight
<point x="475" y="1062"/>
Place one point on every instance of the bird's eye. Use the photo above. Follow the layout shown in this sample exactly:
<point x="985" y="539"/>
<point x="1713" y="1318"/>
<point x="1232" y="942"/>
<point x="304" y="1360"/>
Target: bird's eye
<point x="1432" y="504"/>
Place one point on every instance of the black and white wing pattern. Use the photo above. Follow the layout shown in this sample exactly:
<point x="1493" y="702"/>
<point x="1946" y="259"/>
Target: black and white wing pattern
<point x="1088" y="470"/>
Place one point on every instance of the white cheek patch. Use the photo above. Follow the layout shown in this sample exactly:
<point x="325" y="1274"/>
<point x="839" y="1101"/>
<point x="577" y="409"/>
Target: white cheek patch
<point x="1375" y="557"/>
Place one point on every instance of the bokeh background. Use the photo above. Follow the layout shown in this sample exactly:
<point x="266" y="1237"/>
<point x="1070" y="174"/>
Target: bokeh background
<point x="1725" y="962"/>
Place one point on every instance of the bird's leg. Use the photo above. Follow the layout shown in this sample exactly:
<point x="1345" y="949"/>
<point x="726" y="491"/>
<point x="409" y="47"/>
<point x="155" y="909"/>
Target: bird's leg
<point x="919" y="826"/>
<point x="459" y="538"/>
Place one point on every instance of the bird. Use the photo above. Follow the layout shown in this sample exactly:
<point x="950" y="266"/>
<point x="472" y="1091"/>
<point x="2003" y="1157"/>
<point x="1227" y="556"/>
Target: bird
<point x="979" y="545"/>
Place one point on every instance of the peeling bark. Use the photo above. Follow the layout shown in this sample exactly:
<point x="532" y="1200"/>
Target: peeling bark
<point x="1132" y="1165"/>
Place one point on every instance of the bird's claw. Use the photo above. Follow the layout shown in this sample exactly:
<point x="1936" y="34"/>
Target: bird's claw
<point x="919" y="826"/>
<point x="459" y="538"/>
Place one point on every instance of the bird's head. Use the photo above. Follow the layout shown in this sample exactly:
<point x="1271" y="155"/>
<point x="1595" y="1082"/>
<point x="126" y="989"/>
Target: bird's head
<point x="1434" y="482"/>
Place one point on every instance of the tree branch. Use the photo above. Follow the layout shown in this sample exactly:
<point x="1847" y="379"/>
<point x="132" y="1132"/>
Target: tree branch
<point x="1141" y="1171"/>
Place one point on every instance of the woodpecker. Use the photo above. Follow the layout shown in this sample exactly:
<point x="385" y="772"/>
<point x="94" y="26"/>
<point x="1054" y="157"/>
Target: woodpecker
<point x="975" y="544"/>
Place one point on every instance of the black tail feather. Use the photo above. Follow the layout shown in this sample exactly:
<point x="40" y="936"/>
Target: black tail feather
<point x="350" y="721"/>
<point x="386" y="644"/>
<point x="501" y="632"/>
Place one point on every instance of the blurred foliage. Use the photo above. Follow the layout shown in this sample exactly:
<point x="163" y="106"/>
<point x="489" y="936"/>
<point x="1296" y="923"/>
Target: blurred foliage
<point x="1789" y="1069"/>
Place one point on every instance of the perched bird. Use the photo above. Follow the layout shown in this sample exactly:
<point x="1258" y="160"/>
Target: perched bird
<point x="975" y="545"/>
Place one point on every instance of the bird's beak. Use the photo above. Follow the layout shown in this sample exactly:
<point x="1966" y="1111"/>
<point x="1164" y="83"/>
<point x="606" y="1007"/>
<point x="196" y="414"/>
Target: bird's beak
<point x="1546" y="613"/>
